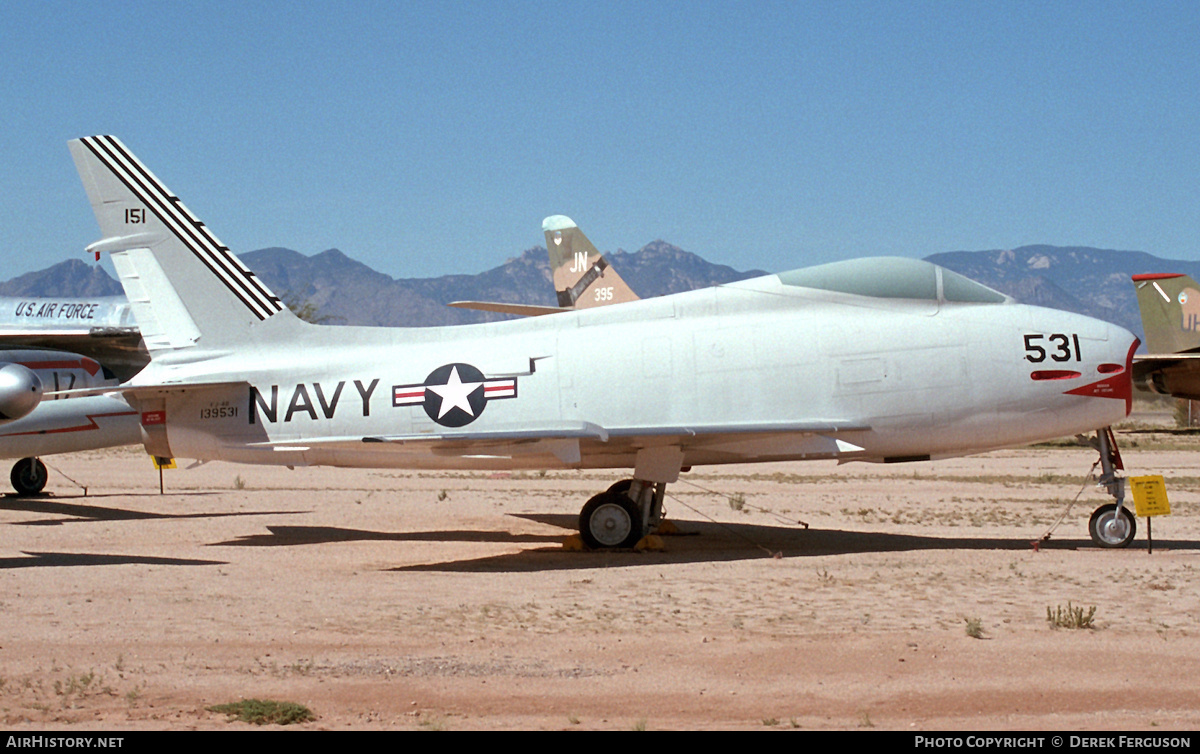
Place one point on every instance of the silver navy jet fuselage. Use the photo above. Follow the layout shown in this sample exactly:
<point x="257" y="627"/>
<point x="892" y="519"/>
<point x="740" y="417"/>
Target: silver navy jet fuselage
<point x="872" y="359"/>
<point x="758" y="370"/>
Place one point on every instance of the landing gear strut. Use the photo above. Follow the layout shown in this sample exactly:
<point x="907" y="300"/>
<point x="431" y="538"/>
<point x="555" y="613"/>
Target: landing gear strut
<point x="622" y="514"/>
<point x="28" y="476"/>
<point x="1111" y="525"/>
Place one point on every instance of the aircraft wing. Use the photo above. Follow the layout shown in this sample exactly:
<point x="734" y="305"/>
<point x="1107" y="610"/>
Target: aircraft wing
<point x="521" y="310"/>
<point x="572" y="442"/>
<point x="557" y="431"/>
<point x="1176" y="374"/>
<point x="592" y="431"/>
<point x="1152" y="360"/>
<point x="121" y="351"/>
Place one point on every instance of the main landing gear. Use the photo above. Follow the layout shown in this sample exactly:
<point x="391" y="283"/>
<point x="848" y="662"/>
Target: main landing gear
<point x="1111" y="525"/>
<point x="621" y="515"/>
<point x="28" y="476"/>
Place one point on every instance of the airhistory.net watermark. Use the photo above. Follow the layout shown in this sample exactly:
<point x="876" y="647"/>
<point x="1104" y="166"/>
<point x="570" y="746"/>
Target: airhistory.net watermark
<point x="64" y="742"/>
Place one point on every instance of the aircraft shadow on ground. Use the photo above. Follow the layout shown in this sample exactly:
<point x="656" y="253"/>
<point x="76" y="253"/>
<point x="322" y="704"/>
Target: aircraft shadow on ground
<point x="288" y="536"/>
<point x="700" y="542"/>
<point x="78" y="512"/>
<point x="71" y="559"/>
<point x="713" y="542"/>
<point x="13" y="500"/>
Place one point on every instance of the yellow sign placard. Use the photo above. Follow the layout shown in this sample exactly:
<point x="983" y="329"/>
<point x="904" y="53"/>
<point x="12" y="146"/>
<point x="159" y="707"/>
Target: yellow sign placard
<point x="1149" y="496"/>
<point x="163" y="463"/>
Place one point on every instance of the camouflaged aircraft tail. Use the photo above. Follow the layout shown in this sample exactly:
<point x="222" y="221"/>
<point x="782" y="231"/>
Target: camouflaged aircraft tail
<point x="583" y="278"/>
<point x="1170" y="307"/>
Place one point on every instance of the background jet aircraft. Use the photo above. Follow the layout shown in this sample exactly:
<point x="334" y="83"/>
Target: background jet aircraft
<point x="581" y="275"/>
<point x="58" y="345"/>
<point x="876" y="360"/>
<point x="64" y="426"/>
<point x="1170" y="307"/>
<point x="101" y="329"/>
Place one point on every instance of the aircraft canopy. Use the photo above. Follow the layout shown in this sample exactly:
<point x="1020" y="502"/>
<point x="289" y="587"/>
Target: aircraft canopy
<point x="893" y="277"/>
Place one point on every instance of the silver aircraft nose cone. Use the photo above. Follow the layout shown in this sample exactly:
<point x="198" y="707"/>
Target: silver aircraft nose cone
<point x="20" y="391"/>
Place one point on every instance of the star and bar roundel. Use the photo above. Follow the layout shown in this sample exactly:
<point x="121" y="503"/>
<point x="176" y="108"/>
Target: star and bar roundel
<point x="454" y="395"/>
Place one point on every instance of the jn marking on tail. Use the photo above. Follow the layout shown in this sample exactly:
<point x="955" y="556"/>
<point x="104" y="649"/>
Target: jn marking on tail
<point x="572" y="294"/>
<point x="185" y="226"/>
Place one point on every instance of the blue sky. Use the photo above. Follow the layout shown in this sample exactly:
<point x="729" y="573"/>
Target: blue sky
<point x="427" y="138"/>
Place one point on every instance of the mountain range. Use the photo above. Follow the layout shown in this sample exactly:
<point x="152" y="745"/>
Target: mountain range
<point x="344" y="291"/>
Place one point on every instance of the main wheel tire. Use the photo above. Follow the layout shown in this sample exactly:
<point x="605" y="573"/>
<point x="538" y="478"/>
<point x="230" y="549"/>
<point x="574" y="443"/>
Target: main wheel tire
<point x="608" y="520"/>
<point x="29" y="476"/>
<point x="1109" y="528"/>
<point x="621" y="486"/>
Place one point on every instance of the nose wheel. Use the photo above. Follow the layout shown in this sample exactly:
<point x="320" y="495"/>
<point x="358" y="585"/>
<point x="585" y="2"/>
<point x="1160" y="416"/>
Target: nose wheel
<point x="28" y="476"/>
<point x="1112" y="526"/>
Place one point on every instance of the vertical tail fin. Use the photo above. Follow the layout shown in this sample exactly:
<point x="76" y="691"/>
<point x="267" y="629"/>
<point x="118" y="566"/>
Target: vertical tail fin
<point x="582" y="276"/>
<point x="185" y="287"/>
<point x="1170" y="307"/>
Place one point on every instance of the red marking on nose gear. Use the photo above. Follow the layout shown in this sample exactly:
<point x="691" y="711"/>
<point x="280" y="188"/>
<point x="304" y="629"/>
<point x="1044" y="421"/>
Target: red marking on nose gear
<point x="1119" y="385"/>
<point x="1054" y="374"/>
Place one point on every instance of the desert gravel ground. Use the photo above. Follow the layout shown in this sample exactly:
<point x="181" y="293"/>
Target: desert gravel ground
<point x="414" y="600"/>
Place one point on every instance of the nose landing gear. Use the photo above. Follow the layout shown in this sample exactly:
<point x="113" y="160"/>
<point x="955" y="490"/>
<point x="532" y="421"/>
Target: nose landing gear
<point x="28" y="476"/>
<point x="1111" y="525"/>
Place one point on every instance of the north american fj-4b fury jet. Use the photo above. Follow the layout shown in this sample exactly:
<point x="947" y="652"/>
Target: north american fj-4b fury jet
<point x="874" y="359"/>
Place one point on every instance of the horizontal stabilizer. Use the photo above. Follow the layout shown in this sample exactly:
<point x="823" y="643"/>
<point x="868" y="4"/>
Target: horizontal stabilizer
<point x="521" y="310"/>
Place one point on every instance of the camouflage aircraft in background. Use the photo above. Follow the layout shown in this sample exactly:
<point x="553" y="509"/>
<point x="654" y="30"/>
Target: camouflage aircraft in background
<point x="885" y="360"/>
<point x="1170" y="308"/>
<point x="582" y="277"/>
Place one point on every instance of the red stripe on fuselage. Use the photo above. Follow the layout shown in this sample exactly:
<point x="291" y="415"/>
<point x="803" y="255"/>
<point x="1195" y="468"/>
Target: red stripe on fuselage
<point x="80" y="428"/>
